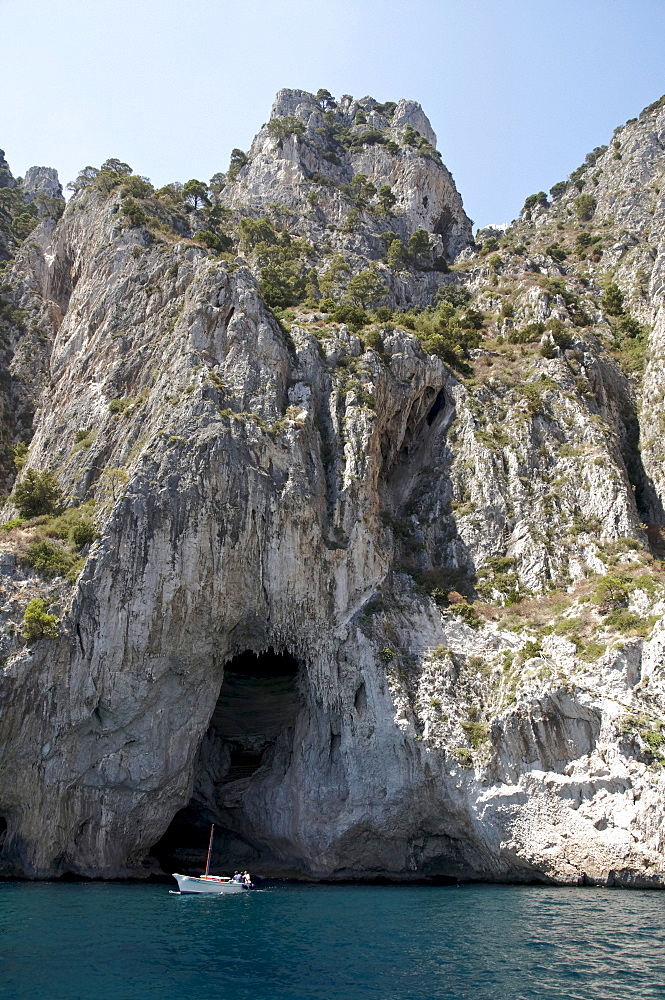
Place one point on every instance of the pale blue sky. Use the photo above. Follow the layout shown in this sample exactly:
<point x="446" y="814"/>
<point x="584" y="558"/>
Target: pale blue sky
<point x="518" y="91"/>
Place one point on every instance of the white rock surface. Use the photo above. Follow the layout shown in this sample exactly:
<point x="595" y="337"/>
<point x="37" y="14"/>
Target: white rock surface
<point x="300" y="493"/>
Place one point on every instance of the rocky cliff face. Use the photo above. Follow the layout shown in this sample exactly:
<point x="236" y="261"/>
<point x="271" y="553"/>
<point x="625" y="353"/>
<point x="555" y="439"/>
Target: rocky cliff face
<point x="306" y="158"/>
<point x="375" y="589"/>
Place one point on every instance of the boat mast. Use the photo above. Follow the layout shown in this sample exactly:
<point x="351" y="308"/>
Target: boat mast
<point x="212" y="830"/>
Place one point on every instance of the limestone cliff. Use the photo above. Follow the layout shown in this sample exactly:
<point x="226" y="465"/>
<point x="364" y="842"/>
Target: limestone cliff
<point x="352" y="539"/>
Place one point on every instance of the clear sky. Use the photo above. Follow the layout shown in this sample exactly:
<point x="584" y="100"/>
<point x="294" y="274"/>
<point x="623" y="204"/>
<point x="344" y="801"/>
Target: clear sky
<point x="518" y="91"/>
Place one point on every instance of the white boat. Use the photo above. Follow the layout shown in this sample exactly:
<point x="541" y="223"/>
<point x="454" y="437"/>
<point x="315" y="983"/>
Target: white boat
<point x="208" y="883"/>
<point x="216" y="884"/>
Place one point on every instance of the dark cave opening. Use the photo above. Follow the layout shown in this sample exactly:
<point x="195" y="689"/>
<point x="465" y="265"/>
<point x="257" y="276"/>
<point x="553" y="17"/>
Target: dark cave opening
<point x="251" y="730"/>
<point x="3" y="832"/>
<point x="436" y="407"/>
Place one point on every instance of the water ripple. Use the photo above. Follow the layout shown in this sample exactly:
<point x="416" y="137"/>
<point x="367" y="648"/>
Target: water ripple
<point x="129" y="942"/>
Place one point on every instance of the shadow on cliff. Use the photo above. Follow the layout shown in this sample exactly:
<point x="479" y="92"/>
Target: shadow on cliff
<point x="417" y="481"/>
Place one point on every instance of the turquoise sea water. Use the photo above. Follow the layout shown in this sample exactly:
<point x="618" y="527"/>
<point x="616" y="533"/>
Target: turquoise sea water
<point x="92" y="941"/>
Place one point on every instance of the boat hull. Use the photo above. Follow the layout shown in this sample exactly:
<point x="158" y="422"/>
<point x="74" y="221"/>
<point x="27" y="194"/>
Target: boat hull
<point x="189" y="883"/>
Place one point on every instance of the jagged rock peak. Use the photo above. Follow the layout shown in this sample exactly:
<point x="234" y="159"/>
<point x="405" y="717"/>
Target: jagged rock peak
<point x="301" y="104"/>
<point x="309" y="154"/>
<point x="41" y="180"/>
<point x="6" y="178"/>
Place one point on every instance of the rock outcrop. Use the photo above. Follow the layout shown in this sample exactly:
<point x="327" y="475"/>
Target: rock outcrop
<point x="41" y="180"/>
<point x="378" y="592"/>
<point x="305" y="159"/>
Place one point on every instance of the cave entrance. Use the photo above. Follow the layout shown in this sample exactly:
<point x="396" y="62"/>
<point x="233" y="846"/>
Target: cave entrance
<point x="250" y="731"/>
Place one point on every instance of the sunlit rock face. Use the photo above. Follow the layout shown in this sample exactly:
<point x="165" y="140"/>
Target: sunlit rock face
<point x="339" y="601"/>
<point x="308" y="173"/>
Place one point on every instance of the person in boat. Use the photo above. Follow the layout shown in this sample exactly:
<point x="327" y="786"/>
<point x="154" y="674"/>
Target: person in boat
<point x="238" y="877"/>
<point x="247" y="878"/>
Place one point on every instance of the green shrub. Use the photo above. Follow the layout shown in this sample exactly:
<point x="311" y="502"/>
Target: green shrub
<point x="454" y="295"/>
<point x="389" y="237"/>
<point x="631" y="351"/>
<point x="351" y="314"/>
<point x="418" y="242"/>
<point x="134" y="213"/>
<point x="582" y="241"/>
<point x="585" y="206"/>
<point x="72" y="524"/>
<point x="654" y="738"/>
<point x="326" y="99"/>
<point x="410" y="136"/>
<point x="114" y="481"/>
<point x="527" y="334"/>
<point x="365" y="289"/>
<point x="533" y="201"/>
<point x="629" y="327"/>
<point x="489" y="246"/>
<point x="255" y="231"/>
<point x="370" y="137"/>
<point x="136" y="187"/>
<point x="387" y="199"/>
<point x="213" y="241"/>
<point x="282" y="283"/>
<point x="445" y="332"/>
<point x="475" y="732"/>
<point x="556" y="252"/>
<point x="387" y="655"/>
<point x="464" y="756"/>
<point x="361" y="190"/>
<point x="558" y="189"/>
<point x="373" y="340"/>
<point x="194" y="191"/>
<point x="468" y="614"/>
<point x="610" y="594"/>
<point x="612" y="300"/>
<point x="623" y="620"/>
<point x="51" y="559"/>
<point x="561" y="335"/>
<point x="281" y="128"/>
<point x="15" y="522"/>
<point x="118" y="406"/>
<point x="20" y="453"/>
<point x="312" y="291"/>
<point x="591" y="158"/>
<point x="37" y="623"/>
<point x="238" y="161"/>
<point x="352" y="221"/>
<point x="83" y="439"/>
<point x="396" y="255"/>
<point x="23" y="224"/>
<point x="83" y="532"/>
<point x="334" y="279"/>
<point x="577" y="176"/>
<point x="591" y="651"/>
<point x="38" y="493"/>
<point x="530" y="649"/>
<point x="285" y="277"/>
